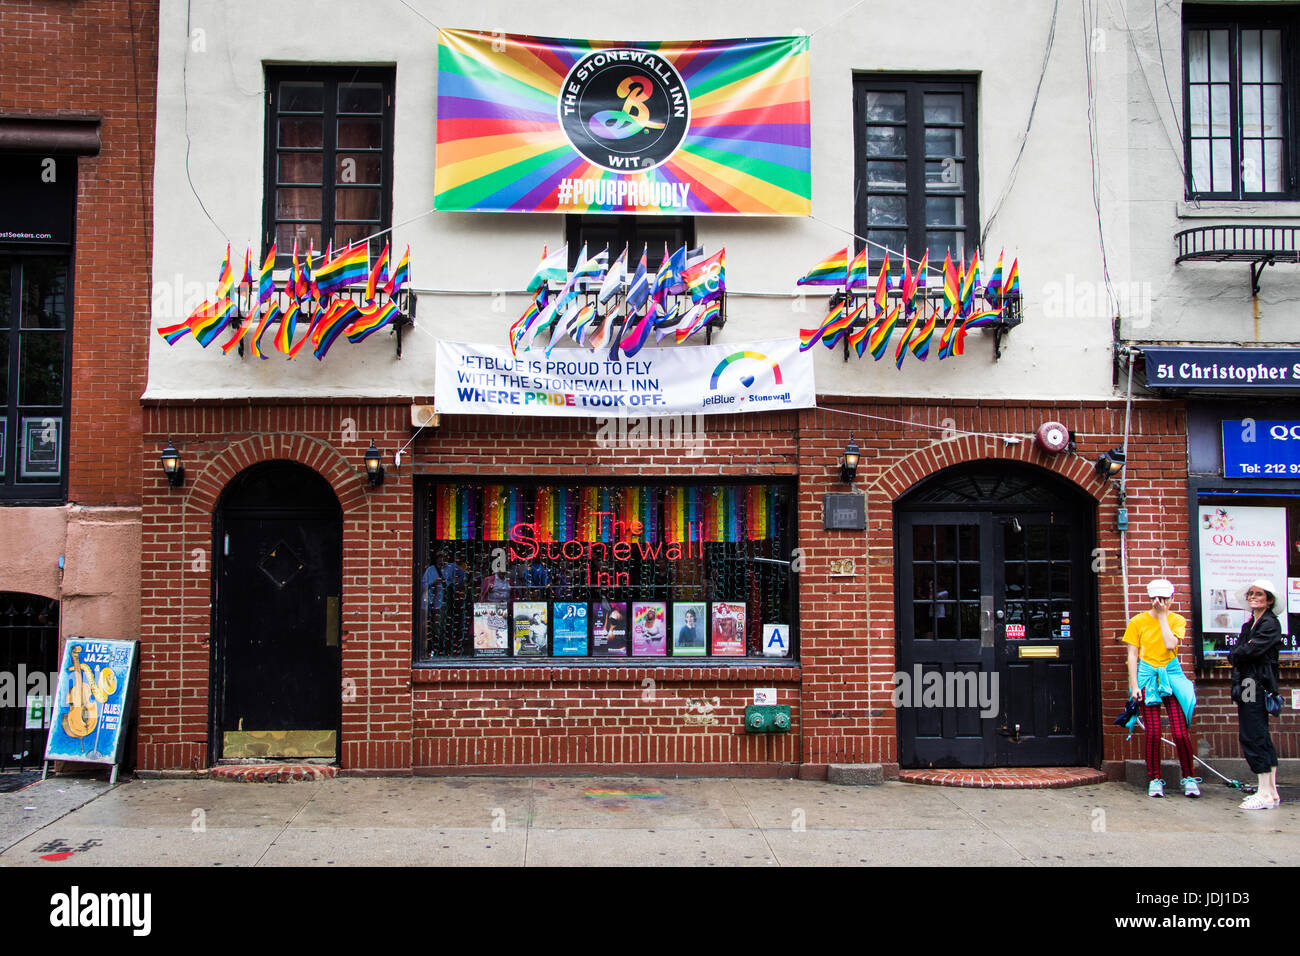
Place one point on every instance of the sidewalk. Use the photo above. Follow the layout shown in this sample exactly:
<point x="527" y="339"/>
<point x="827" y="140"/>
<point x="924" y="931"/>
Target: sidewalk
<point x="487" y="821"/>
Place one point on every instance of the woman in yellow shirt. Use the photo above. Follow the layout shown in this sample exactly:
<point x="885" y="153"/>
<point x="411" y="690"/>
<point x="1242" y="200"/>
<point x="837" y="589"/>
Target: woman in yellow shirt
<point x="1154" y="674"/>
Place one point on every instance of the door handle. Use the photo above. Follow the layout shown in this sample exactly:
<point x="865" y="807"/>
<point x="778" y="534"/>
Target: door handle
<point x="986" y="620"/>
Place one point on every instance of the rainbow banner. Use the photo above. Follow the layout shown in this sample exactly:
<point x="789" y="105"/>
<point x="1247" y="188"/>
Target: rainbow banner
<point x="455" y="513"/>
<point x="695" y="128"/>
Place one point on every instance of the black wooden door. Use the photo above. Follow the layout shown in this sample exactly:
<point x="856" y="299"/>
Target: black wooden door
<point x="277" y="678"/>
<point x="995" y="623"/>
<point x="946" y="646"/>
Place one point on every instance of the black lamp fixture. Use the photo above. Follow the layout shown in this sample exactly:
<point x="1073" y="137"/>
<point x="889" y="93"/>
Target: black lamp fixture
<point x="171" y="465"/>
<point x="849" y="463"/>
<point x="1111" y="463"/>
<point x="374" y="470"/>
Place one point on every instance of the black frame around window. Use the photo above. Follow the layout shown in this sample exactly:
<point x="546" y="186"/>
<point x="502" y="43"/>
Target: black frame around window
<point x="727" y="572"/>
<point x="288" y="175"/>
<point x="636" y="232"/>
<point x="42" y="417"/>
<point x="916" y="152"/>
<point x="1233" y="21"/>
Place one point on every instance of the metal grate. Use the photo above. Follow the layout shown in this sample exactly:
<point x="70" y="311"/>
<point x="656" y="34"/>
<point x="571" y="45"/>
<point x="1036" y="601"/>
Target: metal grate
<point x="1239" y="244"/>
<point x="29" y="645"/>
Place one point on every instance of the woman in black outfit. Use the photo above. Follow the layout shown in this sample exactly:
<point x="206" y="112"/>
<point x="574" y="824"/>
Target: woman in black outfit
<point x="1254" y="673"/>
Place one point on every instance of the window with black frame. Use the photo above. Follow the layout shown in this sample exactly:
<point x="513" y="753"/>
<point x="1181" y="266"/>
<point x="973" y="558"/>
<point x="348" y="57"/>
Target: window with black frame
<point x="1239" y="76"/>
<point x="917" y="178"/>
<point x="35" y="329"/>
<point x="650" y="233"/>
<point x="329" y="149"/>
<point x="604" y="572"/>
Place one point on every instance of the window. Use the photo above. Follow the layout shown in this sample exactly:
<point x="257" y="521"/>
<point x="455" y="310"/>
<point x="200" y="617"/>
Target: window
<point x="916" y="183"/>
<point x="636" y="232"/>
<point x="34" y="355"/>
<point x="329" y="157"/>
<point x="1238" y="79"/>
<point x="604" y="572"/>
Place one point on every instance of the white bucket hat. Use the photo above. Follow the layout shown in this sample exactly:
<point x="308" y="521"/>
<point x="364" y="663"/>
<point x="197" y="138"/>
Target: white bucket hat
<point x="1264" y="585"/>
<point x="1160" y="587"/>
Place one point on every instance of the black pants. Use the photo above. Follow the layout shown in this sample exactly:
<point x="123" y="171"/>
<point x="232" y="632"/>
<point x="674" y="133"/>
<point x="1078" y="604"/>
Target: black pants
<point x="1256" y="744"/>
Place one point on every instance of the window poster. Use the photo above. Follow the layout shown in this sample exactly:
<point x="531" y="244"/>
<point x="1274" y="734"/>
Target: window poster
<point x="689" y="628"/>
<point x="649" y="629"/>
<point x="609" y="629"/>
<point x="570" y="629"/>
<point x="728" y="629"/>
<point x="1237" y="545"/>
<point x="530" y="628"/>
<point x="491" y="630"/>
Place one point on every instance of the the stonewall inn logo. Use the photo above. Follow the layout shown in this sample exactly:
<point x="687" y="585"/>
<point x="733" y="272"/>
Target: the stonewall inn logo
<point x="624" y="109"/>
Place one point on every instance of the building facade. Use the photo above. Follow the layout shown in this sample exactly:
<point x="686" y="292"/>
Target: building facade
<point x="76" y="241"/>
<point x="291" y="606"/>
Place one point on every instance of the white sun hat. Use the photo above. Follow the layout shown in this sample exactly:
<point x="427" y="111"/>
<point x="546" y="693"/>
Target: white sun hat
<point x="1264" y="585"/>
<point x="1160" y="587"/>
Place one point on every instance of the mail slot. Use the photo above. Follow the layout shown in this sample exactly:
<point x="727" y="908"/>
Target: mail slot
<point x="1039" y="651"/>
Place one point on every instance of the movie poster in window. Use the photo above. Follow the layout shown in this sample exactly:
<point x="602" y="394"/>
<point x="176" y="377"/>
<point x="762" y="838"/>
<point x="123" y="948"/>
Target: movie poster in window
<point x="491" y="630"/>
<point x="609" y="629"/>
<point x="689" y="629"/>
<point x="570" y="639"/>
<point x="530" y="628"/>
<point x="728" y="629"/>
<point x="649" y="629"/>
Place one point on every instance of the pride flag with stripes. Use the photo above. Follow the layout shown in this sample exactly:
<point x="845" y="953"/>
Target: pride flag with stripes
<point x="833" y="270"/>
<point x="350" y="266"/>
<point x="730" y="117"/>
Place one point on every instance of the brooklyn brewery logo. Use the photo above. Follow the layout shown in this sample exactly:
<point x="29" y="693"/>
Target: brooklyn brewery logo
<point x="624" y="109"/>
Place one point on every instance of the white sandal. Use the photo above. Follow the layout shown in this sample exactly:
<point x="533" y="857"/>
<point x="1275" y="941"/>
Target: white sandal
<point x="1258" y="802"/>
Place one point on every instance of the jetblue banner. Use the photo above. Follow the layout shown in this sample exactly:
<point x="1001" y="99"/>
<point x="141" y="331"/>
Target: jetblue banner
<point x="704" y="380"/>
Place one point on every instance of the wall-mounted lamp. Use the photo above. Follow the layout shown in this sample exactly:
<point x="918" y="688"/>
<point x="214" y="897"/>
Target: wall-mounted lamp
<point x="171" y="465"/>
<point x="1111" y="463"/>
<point x="849" y="463"/>
<point x="374" y="470"/>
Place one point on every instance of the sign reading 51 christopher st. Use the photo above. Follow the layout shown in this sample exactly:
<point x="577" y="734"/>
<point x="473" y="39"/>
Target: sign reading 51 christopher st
<point x="705" y="127"/>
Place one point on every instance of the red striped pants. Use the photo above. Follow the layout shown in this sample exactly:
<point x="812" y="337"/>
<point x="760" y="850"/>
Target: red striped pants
<point x="1178" y="729"/>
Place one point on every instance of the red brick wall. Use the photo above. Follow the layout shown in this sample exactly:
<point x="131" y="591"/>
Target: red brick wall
<point x="585" y="716"/>
<point x="98" y="57"/>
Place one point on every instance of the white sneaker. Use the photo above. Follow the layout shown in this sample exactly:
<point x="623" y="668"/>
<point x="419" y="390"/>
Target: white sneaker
<point x="1190" y="788"/>
<point x="1156" y="788"/>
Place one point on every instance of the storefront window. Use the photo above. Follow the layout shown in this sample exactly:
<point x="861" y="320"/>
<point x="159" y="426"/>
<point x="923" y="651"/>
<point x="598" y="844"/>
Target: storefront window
<point x="604" y="571"/>
<point x="1241" y="538"/>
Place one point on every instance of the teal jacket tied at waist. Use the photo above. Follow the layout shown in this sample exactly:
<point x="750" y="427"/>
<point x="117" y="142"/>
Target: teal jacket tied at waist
<point x="1157" y="683"/>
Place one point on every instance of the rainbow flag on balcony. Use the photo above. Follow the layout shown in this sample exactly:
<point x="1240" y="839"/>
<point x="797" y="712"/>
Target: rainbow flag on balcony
<point x="350" y="266"/>
<point x="326" y="328"/>
<point x="265" y="283"/>
<point x="370" y="320"/>
<point x="858" y="275"/>
<point x="270" y="312"/>
<point x="921" y="341"/>
<point x="378" y="275"/>
<point x="833" y="270"/>
<point x="209" y="319"/>
<point x="878" y="341"/>
<point x="401" y="275"/>
<point x="858" y="337"/>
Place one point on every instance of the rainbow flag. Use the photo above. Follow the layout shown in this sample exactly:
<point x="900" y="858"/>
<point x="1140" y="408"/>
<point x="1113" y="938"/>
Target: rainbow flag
<point x="993" y="288"/>
<point x="283" y="340"/>
<point x="326" y="328"/>
<point x="882" y="288"/>
<point x="1013" y="278"/>
<point x="226" y="278"/>
<point x="951" y="290"/>
<point x="494" y="513"/>
<point x="401" y="275"/>
<point x="878" y="341"/>
<point x="249" y="322"/>
<point x="174" y="333"/>
<point x="700" y="316"/>
<point x="270" y="312"/>
<point x="582" y="323"/>
<point x="349" y="266"/>
<point x="858" y="337"/>
<point x="265" y="283"/>
<point x="209" y="319"/>
<point x="707" y="279"/>
<point x="833" y="270"/>
<point x="297" y="286"/>
<point x="378" y="275"/>
<point x="247" y="277"/>
<point x="981" y="318"/>
<point x="948" y="344"/>
<point x="807" y="337"/>
<point x="453" y="513"/>
<point x="858" y="276"/>
<point x="535" y="308"/>
<point x="371" y="320"/>
<point x="969" y="282"/>
<point x="313" y="290"/>
<point x="905" y="340"/>
<point x="759" y="507"/>
<point x="921" y="342"/>
<point x="836" y="327"/>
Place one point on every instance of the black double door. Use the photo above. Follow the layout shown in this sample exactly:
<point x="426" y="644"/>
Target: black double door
<point x="276" y="684"/>
<point x="995" y="638"/>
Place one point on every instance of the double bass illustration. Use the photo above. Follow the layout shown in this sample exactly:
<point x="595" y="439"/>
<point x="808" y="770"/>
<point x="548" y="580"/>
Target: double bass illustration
<point x="86" y="692"/>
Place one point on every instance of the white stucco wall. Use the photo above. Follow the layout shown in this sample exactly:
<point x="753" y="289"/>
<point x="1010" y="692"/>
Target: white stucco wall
<point x="459" y="260"/>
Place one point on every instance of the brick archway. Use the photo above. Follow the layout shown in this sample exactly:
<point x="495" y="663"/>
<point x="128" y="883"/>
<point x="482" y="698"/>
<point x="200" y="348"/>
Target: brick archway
<point x="920" y="465"/>
<point x="349" y="486"/>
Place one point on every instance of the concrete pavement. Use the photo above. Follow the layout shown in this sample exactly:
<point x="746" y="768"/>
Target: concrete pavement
<point x="637" y="821"/>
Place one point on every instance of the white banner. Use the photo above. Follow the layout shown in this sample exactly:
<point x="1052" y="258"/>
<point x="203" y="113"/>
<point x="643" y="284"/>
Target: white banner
<point x="693" y="380"/>
<point x="1239" y="545"/>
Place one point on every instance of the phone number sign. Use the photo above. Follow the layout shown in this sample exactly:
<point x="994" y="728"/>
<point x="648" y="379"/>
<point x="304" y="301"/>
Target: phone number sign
<point x="1255" y="448"/>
